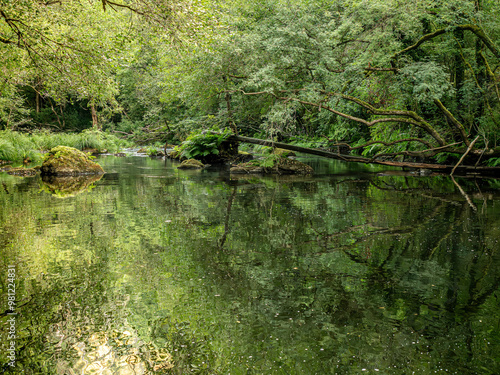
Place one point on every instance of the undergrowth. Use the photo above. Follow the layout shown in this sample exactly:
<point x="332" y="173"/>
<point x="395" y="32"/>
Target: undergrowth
<point x="202" y="143"/>
<point x="22" y="147"/>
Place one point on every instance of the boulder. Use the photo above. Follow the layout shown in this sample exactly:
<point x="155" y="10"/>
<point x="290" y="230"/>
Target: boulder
<point x="290" y="166"/>
<point x="68" y="161"/>
<point x="282" y="166"/>
<point x="191" y="164"/>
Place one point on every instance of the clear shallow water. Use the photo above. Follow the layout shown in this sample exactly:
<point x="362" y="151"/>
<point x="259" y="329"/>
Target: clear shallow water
<point x="155" y="270"/>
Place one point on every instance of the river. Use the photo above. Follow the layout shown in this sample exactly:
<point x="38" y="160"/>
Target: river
<point x="154" y="270"/>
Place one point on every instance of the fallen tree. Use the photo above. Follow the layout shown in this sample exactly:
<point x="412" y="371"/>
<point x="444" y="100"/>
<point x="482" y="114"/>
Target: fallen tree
<point x="458" y="168"/>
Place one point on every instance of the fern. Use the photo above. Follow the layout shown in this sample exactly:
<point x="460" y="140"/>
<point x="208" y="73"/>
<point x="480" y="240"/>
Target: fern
<point x="202" y="143"/>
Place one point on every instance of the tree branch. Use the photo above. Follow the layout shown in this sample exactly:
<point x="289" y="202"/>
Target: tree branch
<point x="464" y="155"/>
<point x="458" y="125"/>
<point x="470" y="27"/>
<point x="429" y="152"/>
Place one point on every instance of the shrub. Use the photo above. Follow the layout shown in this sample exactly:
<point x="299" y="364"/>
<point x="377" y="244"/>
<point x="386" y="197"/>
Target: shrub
<point x="202" y="143"/>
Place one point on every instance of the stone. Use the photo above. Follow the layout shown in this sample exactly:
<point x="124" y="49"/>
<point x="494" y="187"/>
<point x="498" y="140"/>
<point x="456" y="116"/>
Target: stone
<point x="22" y="171"/>
<point x="282" y="166"/>
<point x="191" y="164"/>
<point x="68" y="161"/>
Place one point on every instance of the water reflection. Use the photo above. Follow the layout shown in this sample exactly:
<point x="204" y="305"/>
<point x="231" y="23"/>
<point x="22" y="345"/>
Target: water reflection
<point x="68" y="186"/>
<point x="157" y="270"/>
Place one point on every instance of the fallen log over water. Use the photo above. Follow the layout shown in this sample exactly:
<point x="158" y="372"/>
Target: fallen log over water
<point x="458" y="169"/>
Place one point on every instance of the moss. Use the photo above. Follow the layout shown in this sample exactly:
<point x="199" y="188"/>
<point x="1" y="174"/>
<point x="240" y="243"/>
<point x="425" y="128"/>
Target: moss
<point x="68" y="161"/>
<point x="282" y="152"/>
<point x="191" y="164"/>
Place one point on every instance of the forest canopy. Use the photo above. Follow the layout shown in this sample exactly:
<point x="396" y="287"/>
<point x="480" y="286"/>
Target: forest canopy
<point x="382" y="79"/>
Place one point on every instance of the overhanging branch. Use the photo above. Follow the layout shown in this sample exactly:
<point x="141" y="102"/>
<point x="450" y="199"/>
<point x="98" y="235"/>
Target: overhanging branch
<point x="479" y="32"/>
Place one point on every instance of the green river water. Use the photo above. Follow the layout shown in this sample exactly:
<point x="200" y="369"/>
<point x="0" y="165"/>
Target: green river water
<point x="153" y="270"/>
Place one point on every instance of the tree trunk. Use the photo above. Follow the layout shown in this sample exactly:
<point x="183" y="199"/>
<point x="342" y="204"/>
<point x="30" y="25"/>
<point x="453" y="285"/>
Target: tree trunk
<point x="459" y="65"/>
<point x="227" y="98"/>
<point x="495" y="171"/>
<point x="95" y="122"/>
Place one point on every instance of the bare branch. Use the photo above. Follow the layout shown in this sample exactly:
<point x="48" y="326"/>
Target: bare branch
<point x="464" y="155"/>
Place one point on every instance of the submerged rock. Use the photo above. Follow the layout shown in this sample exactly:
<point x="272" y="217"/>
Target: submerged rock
<point x="68" y="161"/>
<point x="294" y="166"/>
<point x="191" y="164"/>
<point x="282" y="166"/>
<point x="22" y="171"/>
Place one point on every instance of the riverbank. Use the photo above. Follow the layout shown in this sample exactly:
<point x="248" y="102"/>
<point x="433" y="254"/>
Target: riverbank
<point x="26" y="148"/>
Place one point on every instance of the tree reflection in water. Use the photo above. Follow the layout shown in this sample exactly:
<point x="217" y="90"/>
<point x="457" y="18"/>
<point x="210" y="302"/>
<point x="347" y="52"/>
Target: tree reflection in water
<point x="161" y="271"/>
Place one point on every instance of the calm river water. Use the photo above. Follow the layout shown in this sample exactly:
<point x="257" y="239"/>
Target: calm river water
<point x="153" y="270"/>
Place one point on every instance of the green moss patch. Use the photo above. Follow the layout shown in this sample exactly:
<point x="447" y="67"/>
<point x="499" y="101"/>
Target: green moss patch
<point x="68" y="161"/>
<point x="191" y="164"/>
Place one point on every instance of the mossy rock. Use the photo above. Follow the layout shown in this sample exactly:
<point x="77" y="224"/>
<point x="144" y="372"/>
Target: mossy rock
<point x="22" y="171"/>
<point x="191" y="164"/>
<point x="68" y="161"/>
<point x="282" y="166"/>
<point x="283" y="152"/>
<point x="290" y="166"/>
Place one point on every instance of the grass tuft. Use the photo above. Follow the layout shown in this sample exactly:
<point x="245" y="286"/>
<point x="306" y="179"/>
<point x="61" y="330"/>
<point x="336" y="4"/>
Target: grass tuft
<point x="18" y="147"/>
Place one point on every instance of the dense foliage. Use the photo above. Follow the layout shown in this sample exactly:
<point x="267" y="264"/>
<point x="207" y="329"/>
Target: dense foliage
<point x="19" y="147"/>
<point x="387" y="79"/>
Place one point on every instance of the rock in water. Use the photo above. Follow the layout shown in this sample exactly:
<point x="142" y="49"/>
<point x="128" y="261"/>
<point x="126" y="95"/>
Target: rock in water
<point x="68" y="161"/>
<point x="281" y="166"/>
<point x="22" y="171"/>
<point x="191" y="164"/>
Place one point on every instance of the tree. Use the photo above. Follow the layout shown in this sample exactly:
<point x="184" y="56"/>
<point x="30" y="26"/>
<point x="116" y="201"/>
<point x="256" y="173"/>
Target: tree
<point x="67" y="51"/>
<point x="374" y="76"/>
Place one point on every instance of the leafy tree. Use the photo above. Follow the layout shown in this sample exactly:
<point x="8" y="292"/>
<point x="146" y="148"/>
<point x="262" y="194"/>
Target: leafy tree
<point x="375" y="75"/>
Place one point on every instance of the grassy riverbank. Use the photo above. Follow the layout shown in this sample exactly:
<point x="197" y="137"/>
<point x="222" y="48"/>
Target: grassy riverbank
<point x="22" y="147"/>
